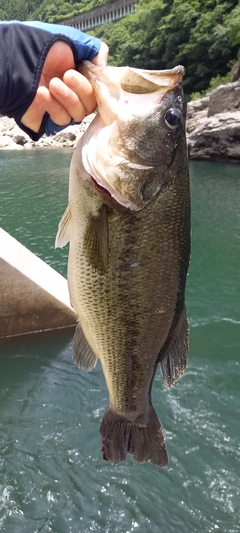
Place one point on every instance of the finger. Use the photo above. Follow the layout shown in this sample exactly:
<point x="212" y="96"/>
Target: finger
<point x="82" y="88"/>
<point x="68" y="99"/>
<point x="56" y="110"/>
<point x="59" y="59"/>
<point x="102" y="57"/>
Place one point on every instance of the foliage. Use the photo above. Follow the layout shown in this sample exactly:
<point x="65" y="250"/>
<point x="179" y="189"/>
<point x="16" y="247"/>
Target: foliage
<point x="219" y="80"/>
<point x="197" y="95"/>
<point x="57" y="10"/>
<point x="45" y="10"/>
<point x="233" y="23"/>
<point x="214" y="83"/>
<point x="199" y="34"/>
<point x="13" y="9"/>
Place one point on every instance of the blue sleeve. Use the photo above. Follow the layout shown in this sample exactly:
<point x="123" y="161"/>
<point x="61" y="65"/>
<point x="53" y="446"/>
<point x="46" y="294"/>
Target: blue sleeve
<point x="51" y="128"/>
<point x="87" y="46"/>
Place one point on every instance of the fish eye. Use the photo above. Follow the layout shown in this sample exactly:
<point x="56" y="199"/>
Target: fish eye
<point x="173" y="117"/>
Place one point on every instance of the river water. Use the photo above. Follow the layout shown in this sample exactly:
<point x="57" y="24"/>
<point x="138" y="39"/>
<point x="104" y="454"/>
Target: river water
<point x="52" y="476"/>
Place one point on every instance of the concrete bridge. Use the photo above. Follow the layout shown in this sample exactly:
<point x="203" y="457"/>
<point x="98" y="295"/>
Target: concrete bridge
<point x="101" y="15"/>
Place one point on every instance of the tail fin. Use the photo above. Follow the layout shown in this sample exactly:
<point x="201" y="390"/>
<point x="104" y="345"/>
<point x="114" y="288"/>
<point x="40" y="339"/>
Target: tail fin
<point x="144" y="441"/>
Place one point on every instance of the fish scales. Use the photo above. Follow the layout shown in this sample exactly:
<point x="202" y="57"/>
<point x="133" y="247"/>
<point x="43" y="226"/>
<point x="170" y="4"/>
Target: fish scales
<point x="130" y="309"/>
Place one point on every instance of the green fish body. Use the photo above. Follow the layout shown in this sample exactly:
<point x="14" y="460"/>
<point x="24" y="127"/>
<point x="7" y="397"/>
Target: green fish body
<point x="128" y="224"/>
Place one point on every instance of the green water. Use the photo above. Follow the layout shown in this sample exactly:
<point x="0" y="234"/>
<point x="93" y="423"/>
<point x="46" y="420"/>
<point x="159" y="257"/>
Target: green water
<point x="52" y="476"/>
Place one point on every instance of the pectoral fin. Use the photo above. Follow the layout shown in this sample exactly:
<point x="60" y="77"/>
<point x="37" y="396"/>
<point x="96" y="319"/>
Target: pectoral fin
<point x="174" y="360"/>
<point x="83" y="355"/>
<point x="96" y="241"/>
<point x="64" y="229"/>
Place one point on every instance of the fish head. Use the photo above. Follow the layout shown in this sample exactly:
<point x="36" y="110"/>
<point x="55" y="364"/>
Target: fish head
<point x="131" y="147"/>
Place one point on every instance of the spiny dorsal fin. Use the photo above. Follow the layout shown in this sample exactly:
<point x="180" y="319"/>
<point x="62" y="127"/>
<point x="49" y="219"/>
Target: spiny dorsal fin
<point x="83" y="355"/>
<point x="64" y="229"/>
<point x="96" y="241"/>
<point x="174" y="361"/>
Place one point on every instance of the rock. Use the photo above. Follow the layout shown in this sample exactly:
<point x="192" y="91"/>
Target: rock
<point x="235" y="72"/>
<point x="6" y="143"/>
<point x="217" y="138"/>
<point x="19" y="139"/>
<point x="195" y="106"/>
<point x="196" y="120"/>
<point x="64" y="136"/>
<point x="224" y="98"/>
<point x="13" y="138"/>
<point x="213" y="133"/>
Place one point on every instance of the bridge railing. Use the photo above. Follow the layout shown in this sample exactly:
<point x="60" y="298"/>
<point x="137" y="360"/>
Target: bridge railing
<point x="101" y="15"/>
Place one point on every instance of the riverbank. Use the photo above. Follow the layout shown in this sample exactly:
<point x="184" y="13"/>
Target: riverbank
<point x="13" y="138"/>
<point x="213" y="128"/>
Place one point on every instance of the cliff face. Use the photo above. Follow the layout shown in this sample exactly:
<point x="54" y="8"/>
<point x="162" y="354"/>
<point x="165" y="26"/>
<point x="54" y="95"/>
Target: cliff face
<point x="213" y="125"/>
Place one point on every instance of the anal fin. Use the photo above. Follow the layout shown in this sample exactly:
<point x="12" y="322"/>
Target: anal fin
<point x="83" y="355"/>
<point x="174" y="360"/>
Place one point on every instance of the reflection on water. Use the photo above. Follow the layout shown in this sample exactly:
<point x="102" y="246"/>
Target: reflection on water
<point x="52" y="476"/>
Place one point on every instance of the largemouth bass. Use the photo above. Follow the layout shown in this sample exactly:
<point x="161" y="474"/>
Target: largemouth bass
<point x="128" y="224"/>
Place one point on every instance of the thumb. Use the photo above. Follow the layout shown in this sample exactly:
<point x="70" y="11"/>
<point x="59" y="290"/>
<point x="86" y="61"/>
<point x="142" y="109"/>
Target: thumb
<point x="101" y="59"/>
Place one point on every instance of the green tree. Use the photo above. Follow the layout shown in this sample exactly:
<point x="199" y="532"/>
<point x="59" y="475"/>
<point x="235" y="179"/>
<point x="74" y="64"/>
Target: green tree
<point x="233" y="25"/>
<point x="202" y="35"/>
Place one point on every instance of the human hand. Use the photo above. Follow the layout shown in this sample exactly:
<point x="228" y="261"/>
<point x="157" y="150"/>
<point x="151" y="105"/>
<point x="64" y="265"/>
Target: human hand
<point x="63" y="91"/>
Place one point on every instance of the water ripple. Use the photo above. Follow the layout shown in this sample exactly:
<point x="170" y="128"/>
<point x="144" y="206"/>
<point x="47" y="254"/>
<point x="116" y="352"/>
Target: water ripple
<point x="52" y="475"/>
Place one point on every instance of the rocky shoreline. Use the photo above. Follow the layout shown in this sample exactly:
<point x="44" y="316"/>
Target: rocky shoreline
<point x="213" y="128"/>
<point x="13" y="138"/>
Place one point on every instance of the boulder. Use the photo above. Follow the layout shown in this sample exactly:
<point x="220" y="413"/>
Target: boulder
<point x="7" y="143"/>
<point x="235" y="72"/>
<point x="20" y="139"/>
<point x="64" y="136"/>
<point x="224" y="98"/>
<point x="197" y="106"/>
<point x="217" y="138"/>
